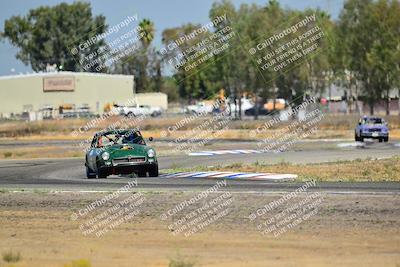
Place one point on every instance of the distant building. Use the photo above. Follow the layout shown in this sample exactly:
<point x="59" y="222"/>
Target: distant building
<point x="153" y="99"/>
<point x="57" y="90"/>
<point x="77" y="90"/>
<point x="336" y="97"/>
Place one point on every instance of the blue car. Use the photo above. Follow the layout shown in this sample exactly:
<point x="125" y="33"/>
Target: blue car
<point x="372" y="127"/>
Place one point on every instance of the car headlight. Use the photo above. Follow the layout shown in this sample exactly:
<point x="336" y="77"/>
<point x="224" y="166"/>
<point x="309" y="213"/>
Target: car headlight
<point x="150" y="153"/>
<point x="105" y="155"/>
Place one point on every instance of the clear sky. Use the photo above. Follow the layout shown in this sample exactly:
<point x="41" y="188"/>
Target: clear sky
<point x="164" y="14"/>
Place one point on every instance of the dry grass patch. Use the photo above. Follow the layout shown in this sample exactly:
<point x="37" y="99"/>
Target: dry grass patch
<point x="28" y="152"/>
<point x="355" y="170"/>
<point x="64" y="127"/>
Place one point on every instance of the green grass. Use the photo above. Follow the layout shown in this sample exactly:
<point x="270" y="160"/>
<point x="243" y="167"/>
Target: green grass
<point x="180" y="261"/>
<point x="79" y="263"/>
<point x="7" y="154"/>
<point x="40" y="192"/>
<point x="10" y="256"/>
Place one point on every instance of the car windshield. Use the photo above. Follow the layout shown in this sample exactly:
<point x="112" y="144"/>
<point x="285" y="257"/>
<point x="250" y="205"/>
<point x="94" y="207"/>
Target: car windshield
<point x="120" y="138"/>
<point x="373" y="121"/>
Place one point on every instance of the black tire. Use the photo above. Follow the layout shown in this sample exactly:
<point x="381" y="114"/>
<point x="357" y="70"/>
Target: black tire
<point x="386" y="139"/>
<point x="130" y="114"/>
<point x="90" y="174"/>
<point x="380" y="140"/>
<point x="361" y="139"/>
<point x="153" y="171"/>
<point x="142" y="173"/>
<point x="356" y="137"/>
<point x="100" y="173"/>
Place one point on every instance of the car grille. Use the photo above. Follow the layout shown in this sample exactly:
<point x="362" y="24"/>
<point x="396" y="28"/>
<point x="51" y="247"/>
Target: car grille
<point x="128" y="160"/>
<point x="372" y="130"/>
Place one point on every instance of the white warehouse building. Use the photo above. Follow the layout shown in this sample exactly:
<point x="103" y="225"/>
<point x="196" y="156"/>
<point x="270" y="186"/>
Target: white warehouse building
<point x="52" y="90"/>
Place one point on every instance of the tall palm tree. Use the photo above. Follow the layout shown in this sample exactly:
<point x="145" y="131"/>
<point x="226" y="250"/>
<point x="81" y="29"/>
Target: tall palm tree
<point x="147" y="30"/>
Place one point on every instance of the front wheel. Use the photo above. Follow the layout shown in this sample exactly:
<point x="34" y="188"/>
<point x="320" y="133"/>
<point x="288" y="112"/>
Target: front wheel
<point x="386" y="139"/>
<point x="153" y="171"/>
<point x="100" y="173"/>
<point x="142" y="173"/>
<point x="89" y="173"/>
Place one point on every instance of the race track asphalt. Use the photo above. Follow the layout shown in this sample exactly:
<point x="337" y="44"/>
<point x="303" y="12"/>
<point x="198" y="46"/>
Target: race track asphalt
<point x="68" y="174"/>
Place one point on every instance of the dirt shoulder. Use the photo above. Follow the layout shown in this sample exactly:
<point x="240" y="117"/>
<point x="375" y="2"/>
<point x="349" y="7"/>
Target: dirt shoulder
<point x="178" y="126"/>
<point x="346" y="230"/>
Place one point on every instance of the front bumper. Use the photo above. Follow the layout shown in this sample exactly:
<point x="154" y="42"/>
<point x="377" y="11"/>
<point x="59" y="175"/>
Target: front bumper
<point x="127" y="168"/>
<point x="375" y="135"/>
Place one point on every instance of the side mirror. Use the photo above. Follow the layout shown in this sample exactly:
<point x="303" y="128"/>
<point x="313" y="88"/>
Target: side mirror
<point x="151" y="138"/>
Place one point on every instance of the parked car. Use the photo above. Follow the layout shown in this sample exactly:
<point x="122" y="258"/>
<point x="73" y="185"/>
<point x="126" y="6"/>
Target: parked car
<point x="139" y="110"/>
<point x="371" y="127"/>
<point x="150" y="110"/>
<point x="199" y="108"/>
<point x="120" y="152"/>
<point x="245" y="104"/>
<point x="280" y="104"/>
<point x="252" y="111"/>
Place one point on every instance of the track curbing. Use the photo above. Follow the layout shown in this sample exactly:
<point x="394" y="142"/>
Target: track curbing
<point x="231" y="175"/>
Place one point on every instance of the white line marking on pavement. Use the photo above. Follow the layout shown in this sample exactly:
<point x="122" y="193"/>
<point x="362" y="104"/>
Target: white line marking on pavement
<point x="353" y="144"/>
<point x="224" y="152"/>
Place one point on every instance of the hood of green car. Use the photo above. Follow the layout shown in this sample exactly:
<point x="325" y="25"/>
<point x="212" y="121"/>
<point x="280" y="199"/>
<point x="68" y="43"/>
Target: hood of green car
<point x="124" y="150"/>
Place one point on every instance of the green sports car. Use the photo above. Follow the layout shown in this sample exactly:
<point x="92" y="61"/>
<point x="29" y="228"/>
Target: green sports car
<point x="120" y="152"/>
